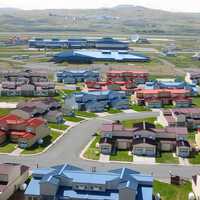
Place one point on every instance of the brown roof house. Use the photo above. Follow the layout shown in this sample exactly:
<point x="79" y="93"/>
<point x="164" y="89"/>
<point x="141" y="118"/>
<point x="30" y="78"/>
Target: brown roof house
<point x="12" y="177"/>
<point x="143" y="139"/>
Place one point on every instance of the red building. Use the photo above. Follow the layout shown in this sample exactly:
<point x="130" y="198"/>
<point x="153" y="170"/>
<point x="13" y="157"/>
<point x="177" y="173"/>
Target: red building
<point x="139" y="77"/>
<point x="158" y="97"/>
<point x="24" y="132"/>
<point x="126" y="86"/>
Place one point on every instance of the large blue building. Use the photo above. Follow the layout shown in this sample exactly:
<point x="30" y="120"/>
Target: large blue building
<point x="75" y="76"/>
<point x="86" y="56"/>
<point x="78" y="43"/>
<point x="97" y="101"/>
<point x="72" y="183"/>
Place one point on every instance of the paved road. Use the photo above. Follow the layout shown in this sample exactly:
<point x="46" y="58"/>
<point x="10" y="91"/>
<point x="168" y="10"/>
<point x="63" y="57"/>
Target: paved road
<point x="69" y="147"/>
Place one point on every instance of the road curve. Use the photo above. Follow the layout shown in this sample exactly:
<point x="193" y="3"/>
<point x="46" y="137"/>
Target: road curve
<point x="69" y="147"/>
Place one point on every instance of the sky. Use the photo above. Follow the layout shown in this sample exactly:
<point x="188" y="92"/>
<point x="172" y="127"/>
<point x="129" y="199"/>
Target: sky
<point x="169" y="5"/>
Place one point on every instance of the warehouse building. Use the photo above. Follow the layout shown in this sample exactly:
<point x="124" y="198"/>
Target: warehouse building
<point x="86" y="56"/>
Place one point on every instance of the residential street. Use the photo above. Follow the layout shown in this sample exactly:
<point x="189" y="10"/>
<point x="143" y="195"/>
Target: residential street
<point x="69" y="147"/>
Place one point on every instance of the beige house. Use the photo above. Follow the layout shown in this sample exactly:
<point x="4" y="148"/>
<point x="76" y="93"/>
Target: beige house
<point x="197" y="138"/>
<point x="196" y="186"/>
<point x="12" y="177"/>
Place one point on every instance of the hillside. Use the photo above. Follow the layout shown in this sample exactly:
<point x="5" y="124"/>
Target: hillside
<point x="120" y="19"/>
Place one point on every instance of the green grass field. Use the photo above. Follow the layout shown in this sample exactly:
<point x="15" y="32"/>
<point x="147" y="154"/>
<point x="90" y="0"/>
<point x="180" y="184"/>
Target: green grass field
<point x="85" y="114"/>
<point x="4" y="111"/>
<point x="37" y="148"/>
<point x="172" y="192"/>
<point x="195" y="159"/>
<point x="92" y="152"/>
<point x="167" y="157"/>
<point x="58" y="126"/>
<point x="121" y="156"/>
<point x="139" y="108"/>
<point x="73" y="119"/>
<point x="113" y="111"/>
<point x="7" y="147"/>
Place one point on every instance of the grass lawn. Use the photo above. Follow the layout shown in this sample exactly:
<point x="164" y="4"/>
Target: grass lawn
<point x="196" y="101"/>
<point x="167" y="157"/>
<point x="14" y="98"/>
<point x="195" y="159"/>
<point x="58" y="126"/>
<point x="113" y="111"/>
<point x="37" y="148"/>
<point x="92" y="152"/>
<point x="121" y="156"/>
<point x="85" y="114"/>
<point x="4" y="111"/>
<point x="140" y="108"/>
<point x="191" y="137"/>
<point x="7" y="147"/>
<point x="172" y="192"/>
<point x="129" y="123"/>
<point x="73" y="119"/>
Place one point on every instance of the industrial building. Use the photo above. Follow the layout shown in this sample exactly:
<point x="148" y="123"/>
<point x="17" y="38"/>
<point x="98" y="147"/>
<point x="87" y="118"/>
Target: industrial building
<point x="78" y="43"/>
<point x="76" y="76"/>
<point x="97" y="101"/>
<point x="70" y="182"/>
<point x="89" y="56"/>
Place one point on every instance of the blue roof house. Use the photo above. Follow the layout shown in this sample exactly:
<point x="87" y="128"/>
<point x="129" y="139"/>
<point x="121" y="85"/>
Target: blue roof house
<point x="75" y="76"/>
<point x="69" y="182"/>
<point x="97" y="101"/>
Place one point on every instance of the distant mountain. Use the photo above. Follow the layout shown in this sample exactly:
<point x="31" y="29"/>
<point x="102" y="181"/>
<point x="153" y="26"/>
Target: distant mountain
<point x="119" y="19"/>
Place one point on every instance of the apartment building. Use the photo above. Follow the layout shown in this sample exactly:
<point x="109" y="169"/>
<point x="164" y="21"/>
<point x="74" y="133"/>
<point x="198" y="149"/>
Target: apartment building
<point x="189" y="117"/>
<point x="139" y="77"/>
<point x="75" y="76"/>
<point x="26" y="83"/>
<point x="70" y="182"/>
<point x="97" y="101"/>
<point x="24" y="132"/>
<point x="157" y="98"/>
<point x="143" y="139"/>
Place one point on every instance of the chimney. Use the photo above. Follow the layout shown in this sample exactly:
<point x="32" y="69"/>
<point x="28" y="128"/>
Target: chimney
<point x="144" y="125"/>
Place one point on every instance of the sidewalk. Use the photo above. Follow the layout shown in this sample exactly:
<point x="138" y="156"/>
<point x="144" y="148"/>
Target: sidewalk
<point x="104" y="158"/>
<point x="16" y="152"/>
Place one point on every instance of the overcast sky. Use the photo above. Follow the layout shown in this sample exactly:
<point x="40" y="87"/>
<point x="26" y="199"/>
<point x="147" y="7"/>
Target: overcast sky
<point x="171" y="5"/>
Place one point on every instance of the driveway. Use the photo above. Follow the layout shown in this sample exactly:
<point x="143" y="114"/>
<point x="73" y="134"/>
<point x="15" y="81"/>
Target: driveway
<point x="144" y="160"/>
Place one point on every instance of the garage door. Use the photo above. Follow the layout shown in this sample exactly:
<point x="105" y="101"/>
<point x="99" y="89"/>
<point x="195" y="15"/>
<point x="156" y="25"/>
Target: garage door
<point x="150" y="152"/>
<point x="165" y="147"/>
<point x="138" y="151"/>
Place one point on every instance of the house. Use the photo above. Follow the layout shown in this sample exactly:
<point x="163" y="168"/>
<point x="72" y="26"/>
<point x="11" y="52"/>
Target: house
<point x="156" y="98"/>
<point x="89" y="56"/>
<point x="12" y="177"/>
<point x="192" y="78"/>
<point x="69" y="182"/>
<point x="143" y="139"/>
<point x="127" y="86"/>
<point x="54" y="117"/>
<point x="75" y="76"/>
<point x="24" y="132"/>
<point x="138" y="77"/>
<point x="110" y="43"/>
<point x="189" y="117"/>
<point x="26" y="83"/>
<point x="196" y="185"/>
<point x="97" y="101"/>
